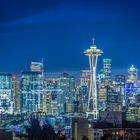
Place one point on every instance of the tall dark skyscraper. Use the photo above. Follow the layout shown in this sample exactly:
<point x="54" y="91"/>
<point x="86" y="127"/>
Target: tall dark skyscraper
<point x="67" y="83"/>
<point x="112" y="99"/>
<point x="83" y="97"/>
<point x="53" y="97"/>
<point x="120" y="82"/>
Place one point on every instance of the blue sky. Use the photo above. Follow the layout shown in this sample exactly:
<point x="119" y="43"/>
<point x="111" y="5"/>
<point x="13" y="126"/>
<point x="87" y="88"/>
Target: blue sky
<point x="59" y="31"/>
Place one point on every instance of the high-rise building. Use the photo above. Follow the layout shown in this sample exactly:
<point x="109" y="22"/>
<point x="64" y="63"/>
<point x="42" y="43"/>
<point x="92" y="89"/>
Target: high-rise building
<point x="54" y="96"/>
<point x="132" y="74"/>
<point x="102" y="90"/>
<point x="16" y="93"/>
<point x="6" y="98"/>
<point x="107" y="70"/>
<point x="92" y="109"/>
<point x="131" y="101"/>
<point x="120" y="88"/>
<point x="112" y="99"/>
<point x="82" y="97"/>
<point x="67" y="84"/>
<point x="82" y="90"/>
<point x="85" y="78"/>
<point x="132" y="91"/>
<point x="31" y="91"/>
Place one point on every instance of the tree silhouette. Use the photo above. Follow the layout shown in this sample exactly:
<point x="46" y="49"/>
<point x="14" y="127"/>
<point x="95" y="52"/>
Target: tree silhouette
<point x="46" y="132"/>
<point x="85" y="138"/>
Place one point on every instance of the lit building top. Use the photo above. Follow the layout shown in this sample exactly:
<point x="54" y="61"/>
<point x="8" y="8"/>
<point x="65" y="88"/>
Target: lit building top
<point x="132" y="69"/>
<point x="5" y="81"/>
<point x="36" y="66"/>
<point x="132" y="74"/>
<point x="107" y="60"/>
<point x="107" y="69"/>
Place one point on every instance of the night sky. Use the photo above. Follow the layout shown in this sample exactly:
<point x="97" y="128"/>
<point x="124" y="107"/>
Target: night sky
<point x="60" y="30"/>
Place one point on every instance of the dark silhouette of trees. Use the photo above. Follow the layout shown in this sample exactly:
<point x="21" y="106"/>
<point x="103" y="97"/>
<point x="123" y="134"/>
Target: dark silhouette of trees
<point x="45" y="132"/>
<point x="85" y="138"/>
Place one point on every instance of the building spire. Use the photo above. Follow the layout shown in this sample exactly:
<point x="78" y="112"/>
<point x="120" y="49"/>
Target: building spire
<point x="93" y="40"/>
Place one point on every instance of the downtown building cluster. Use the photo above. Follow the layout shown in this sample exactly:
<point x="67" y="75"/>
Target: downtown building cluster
<point x="116" y="93"/>
<point x="33" y="92"/>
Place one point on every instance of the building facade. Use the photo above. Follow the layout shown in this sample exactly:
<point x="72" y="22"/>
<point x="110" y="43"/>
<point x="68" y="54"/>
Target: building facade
<point x="112" y="101"/>
<point x="120" y="88"/>
<point x="6" y="97"/>
<point x="16" y="92"/>
<point x="67" y="84"/>
<point x="54" y="97"/>
<point x="31" y="91"/>
<point x="107" y="70"/>
<point x="132" y="92"/>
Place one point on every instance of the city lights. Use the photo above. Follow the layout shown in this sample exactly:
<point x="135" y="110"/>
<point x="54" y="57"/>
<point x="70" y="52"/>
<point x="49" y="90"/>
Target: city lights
<point x="99" y="97"/>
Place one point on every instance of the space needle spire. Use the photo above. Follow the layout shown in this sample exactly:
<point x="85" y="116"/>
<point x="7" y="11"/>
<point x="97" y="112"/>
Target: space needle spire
<point x="93" y="53"/>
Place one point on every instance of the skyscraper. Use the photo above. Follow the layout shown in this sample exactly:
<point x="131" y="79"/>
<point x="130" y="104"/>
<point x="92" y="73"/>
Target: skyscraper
<point x="107" y="70"/>
<point x="6" y="98"/>
<point x="83" y="90"/>
<point x="67" y="84"/>
<point x="16" y="93"/>
<point x="54" y="96"/>
<point x="132" y="74"/>
<point x="131" y="101"/>
<point x="31" y="91"/>
<point x="120" y="88"/>
<point x="112" y="99"/>
<point x="85" y="78"/>
<point x="132" y="89"/>
<point x="82" y="97"/>
<point x="102" y="90"/>
<point x="93" y="53"/>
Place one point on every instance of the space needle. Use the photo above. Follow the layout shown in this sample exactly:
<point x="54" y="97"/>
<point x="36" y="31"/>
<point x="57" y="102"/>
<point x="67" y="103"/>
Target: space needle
<point x="92" y="108"/>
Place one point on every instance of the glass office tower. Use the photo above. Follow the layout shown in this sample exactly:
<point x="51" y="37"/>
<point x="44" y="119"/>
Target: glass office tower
<point x="6" y="101"/>
<point x="31" y="91"/>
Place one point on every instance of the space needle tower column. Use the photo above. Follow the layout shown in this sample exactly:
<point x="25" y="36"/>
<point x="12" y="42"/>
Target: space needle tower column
<point x="92" y="108"/>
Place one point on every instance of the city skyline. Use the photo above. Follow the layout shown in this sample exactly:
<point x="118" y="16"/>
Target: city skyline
<point x="99" y="99"/>
<point x="69" y="69"/>
<point x="64" y="29"/>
